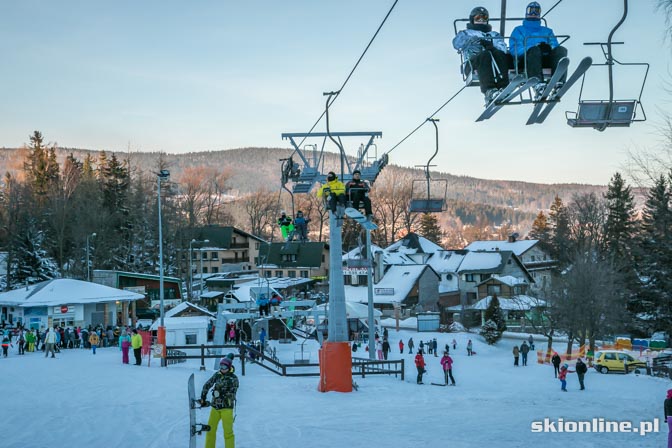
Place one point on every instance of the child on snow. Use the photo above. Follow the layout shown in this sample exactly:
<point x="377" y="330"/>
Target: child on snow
<point x="562" y="376"/>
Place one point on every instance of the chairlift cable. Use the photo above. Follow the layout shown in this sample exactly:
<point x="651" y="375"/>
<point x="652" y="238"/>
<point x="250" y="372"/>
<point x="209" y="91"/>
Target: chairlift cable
<point x="338" y="92"/>
<point x="552" y="8"/>
<point x="427" y="119"/>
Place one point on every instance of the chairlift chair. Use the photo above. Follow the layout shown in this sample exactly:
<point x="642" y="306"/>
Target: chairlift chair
<point x="429" y="195"/>
<point x="601" y="114"/>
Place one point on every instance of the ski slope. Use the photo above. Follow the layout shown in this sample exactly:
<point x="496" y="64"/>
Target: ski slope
<point x="80" y="399"/>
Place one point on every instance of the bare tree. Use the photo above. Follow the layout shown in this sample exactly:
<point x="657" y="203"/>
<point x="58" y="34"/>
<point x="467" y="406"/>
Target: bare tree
<point x="589" y="217"/>
<point x="261" y="209"/>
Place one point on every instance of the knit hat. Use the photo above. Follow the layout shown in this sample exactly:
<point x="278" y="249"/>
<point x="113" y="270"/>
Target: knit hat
<point x="356" y="172"/>
<point x="225" y="364"/>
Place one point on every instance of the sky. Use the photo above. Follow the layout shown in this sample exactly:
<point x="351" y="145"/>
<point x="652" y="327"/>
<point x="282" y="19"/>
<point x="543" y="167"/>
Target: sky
<point x="211" y="75"/>
<point x="78" y="399"/>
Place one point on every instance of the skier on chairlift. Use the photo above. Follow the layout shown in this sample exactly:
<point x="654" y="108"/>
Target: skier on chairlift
<point x="484" y="50"/>
<point x="537" y="44"/>
<point x="357" y="192"/>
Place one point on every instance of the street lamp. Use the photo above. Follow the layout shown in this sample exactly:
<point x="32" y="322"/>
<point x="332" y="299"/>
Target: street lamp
<point x="161" y="334"/>
<point x="88" y="266"/>
<point x="191" y="274"/>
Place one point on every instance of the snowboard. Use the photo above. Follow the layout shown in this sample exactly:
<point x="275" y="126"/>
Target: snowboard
<point x="195" y="429"/>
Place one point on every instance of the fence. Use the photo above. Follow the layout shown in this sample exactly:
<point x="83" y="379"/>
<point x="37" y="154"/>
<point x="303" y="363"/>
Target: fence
<point x="246" y="353"/>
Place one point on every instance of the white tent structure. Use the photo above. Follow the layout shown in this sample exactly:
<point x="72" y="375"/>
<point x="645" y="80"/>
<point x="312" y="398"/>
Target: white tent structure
<point x="66" y="302"/>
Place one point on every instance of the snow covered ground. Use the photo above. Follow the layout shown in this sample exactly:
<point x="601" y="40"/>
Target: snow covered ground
<point x="80" y="399"/>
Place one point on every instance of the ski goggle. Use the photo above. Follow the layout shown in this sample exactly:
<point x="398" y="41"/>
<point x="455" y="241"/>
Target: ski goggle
<point x="533" y="11"/>
<point x="481" y="18"/>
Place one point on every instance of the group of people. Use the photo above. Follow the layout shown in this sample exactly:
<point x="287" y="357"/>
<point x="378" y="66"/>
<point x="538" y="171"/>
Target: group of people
<point x="446" y="364"/>
<point x="298" y="228"/>
<point x="354" y="193"/>
<point x="532" y="47"/>
<point x="523" y="350"/>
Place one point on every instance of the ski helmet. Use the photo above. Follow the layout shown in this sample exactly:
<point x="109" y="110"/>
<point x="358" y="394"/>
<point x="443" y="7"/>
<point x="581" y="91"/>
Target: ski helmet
<point x="479" y="15"/>
<point x="331" y="176"/>
<point x="533" y="11"/>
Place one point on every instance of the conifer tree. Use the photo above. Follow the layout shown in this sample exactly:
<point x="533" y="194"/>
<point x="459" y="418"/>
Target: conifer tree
<point x="430" y="228"/>
<point x="541" y="230"/>
<point x="490" y="333"/>
<point x="559" y="222"/>
<point x="495" y="314"/>
<point x="620" y="226"/>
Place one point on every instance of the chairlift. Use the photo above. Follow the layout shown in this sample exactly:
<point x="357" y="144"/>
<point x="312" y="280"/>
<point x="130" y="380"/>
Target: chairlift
<point x="429" y="195"/>
<point x="601" y="114"/>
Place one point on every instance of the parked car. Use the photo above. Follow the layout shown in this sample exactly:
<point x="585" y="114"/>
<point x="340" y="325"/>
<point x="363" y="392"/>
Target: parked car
<point x="614" y="361"/>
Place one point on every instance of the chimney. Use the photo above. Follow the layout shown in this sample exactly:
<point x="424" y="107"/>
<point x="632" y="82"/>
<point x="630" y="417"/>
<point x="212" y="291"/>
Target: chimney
<point x="513" y="237"/>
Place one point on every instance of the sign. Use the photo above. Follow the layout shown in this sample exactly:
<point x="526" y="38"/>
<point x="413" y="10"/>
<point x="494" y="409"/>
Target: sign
<point x="384" y="291"/>
<point x="64" y="309"/>
<point x="136" y="289"/>
<point x="355" y="271"/>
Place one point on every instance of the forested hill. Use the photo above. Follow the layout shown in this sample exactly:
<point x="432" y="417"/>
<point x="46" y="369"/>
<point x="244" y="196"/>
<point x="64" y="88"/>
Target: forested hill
<point x="252" y="168"/>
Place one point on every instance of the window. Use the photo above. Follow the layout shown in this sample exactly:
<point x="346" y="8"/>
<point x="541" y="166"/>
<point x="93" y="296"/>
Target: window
<point x="235" y="256"/>
<point x="508" y="262"/>
<point x="204" y="255"/>
<point x="289" y="257"/>
<point x="194" y="255"/>
<point x="304" y="274"/>
<point x="257" y="245"/>
<point x="610" y="356"/>
<point x="214" y="255"/>
<point x="291" y="274"/>
<point x="267" y="274"/>
<point x="278" y="273"/>
<point x="322" y="258"/>
<point x="449" y="277"/>
<point x="354" y="279"/>
<point x="190" y="339"/>
<point x="485" y="277"/>
<point x="533" y="258"/>
<point x="468" y="277"/>
<point x="494" y="289"/>
<point x="215" y="269"/>
<point x="205" y="269"/>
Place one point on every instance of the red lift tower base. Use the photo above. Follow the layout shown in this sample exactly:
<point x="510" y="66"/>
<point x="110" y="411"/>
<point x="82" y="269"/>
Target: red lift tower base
<point x="335" y="367"/>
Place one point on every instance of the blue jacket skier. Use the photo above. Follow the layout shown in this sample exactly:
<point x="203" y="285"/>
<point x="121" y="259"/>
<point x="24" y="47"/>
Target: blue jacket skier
<point x="484" y="50"/>
<point x="535" y="46"/>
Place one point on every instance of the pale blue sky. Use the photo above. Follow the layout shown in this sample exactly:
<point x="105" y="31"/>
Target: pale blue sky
<point x="184" y="76"/>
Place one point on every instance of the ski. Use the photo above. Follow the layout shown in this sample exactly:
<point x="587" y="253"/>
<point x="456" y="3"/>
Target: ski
<point x="194" y="428"/>
<point x="560" y="71"/>
<point x="519" y="83"/>
<point x="438" y="384"/>
<point x="581" y="69"/>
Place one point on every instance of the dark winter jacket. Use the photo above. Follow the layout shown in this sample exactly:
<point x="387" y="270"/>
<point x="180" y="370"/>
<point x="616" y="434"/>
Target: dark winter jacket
<point x="524" y="349"/>
<point x="224" y="391"/>
<point x="668" y="404"/>
<point x="284" y="221"/>
<point x="386" y="346"/>
<point x="581" y="367"/>
<point x="556" y="360"/>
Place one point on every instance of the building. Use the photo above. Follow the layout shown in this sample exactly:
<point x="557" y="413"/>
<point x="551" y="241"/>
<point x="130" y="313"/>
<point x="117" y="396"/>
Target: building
<point x="304" y="260"/>
<point x="65" y="302"/>
<point x="534" y="257"/>
<point x="186" y="324"/>
<point x="216" y="249"/>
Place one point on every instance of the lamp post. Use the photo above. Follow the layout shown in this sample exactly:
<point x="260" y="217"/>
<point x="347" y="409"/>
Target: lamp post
<point x="88" y="266"/>
<point x="191" y="274"/>
<point x="161" y="334"/>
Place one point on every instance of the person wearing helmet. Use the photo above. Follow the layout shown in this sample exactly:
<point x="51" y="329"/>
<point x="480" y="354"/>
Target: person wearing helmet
<point x="333" y="191"/>
<point x="357" y="191"/>
<point x="286" y="227"/>
<point x="562" y="376"/>
<point x="485" y="51"/>
<point x="535" y="47"/>
<point x="224" y="385"/>
<point x="301" y="226"/>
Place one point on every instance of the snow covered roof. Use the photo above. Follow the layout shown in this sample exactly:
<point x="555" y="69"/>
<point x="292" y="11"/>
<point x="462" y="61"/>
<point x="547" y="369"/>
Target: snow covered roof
<point x="64" y="291"/>
<point x="515" y="303"/>
<point x="508" y="280"/>
<point x="393" y="287"/>
<point x="518" y="247"/>
<point x="353" y="310"/>
<point x="414" y="243"/>
<point x="241" y="291"/>
<point x="183" y="323"/>
<point x="480" y="261"/>
<point x="446" y="261"/>
<point x="185" y="306"/>
<point x="356" y="253"/>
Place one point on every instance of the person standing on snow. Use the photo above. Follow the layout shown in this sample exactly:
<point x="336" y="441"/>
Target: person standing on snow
<point x="50" y="342"/>
<point x="136" y="343"/>
<point x="668" y="416"/>
<point x="581" y="370"/>
<point x="516" y="353"/>
<point x="524" y="350"/>
<point x="435" y="346"/>
<point x="386" y="348"/>
<point x="556" y="364"/>
<point x="447" y="364"/>
<point x="420" y="365"/>
<point x="410" y="346"/>
<point x="224" y="384"/>
<point x="485" y="51"/>
<point x="454" y="344"/>
<point x="401" y="346"/>
<point x="562" y="376"/>
<point x="6" y="342"/>
<point x="470" y="346"/>
<point x="379" y="349"/>
<point x="94" y="340"/>
<point x="124" y="345"/>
